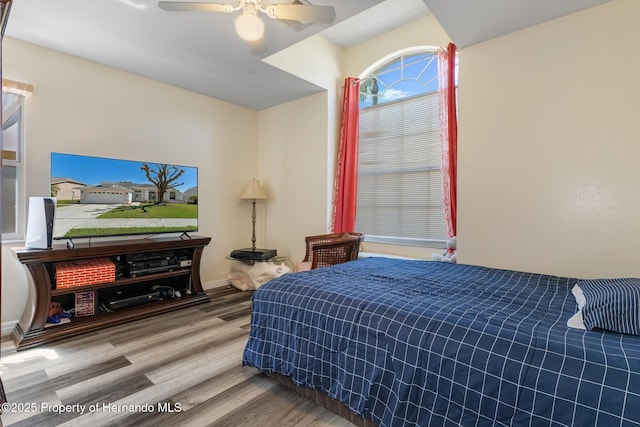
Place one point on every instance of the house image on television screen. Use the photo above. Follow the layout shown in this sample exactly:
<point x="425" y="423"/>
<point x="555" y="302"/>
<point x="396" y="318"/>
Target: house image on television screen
<point x="117" y="193"/>
<point x="127" y="193"/>
<point x="106" y="197"/>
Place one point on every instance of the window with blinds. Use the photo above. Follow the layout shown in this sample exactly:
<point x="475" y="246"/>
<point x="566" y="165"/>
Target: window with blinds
<point x="13" y="97"/>
<point x="399" y="179"/>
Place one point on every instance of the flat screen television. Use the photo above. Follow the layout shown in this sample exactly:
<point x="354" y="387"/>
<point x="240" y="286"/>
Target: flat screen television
<point x="101" y="197"/>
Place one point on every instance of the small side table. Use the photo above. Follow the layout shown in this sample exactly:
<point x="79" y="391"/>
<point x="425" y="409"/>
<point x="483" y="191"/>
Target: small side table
<point x="253" y="254"/>
<point x="250" y="275"/>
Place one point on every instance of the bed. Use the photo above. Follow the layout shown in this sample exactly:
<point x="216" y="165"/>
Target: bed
<point x="406" y="342"/>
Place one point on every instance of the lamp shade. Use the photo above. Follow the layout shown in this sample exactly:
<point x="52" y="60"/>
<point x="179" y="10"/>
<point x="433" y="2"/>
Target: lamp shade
<point x="253" y="191"/>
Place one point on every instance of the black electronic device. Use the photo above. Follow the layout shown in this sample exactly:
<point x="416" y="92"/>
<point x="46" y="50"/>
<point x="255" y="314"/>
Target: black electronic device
<point x="146" y="256"/>
<point x="166" y="292"/>
<point x="149" y="263"/>
<point x="249" y="254"/>
<point x="120" y="300"/>
<point x="184" y="261"/>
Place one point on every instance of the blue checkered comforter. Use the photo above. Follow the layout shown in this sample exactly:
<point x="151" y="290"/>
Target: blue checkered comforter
<point x="423" y="343"/>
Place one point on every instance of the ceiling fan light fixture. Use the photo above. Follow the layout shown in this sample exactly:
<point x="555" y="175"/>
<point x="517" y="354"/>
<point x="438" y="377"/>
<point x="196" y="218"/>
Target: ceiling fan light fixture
<point x="249" y="27"/>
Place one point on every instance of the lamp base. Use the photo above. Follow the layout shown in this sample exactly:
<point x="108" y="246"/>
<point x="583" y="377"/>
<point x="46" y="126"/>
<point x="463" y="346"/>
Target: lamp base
<point x="248" y="254"/>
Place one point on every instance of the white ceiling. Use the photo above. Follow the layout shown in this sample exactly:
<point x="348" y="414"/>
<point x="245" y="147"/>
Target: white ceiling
<point x="201" y="52"/>
<point x="472" y="21"/>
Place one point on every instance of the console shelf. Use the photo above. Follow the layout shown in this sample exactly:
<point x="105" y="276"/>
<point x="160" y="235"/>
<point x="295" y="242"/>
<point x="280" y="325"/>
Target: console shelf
<point x="32" y="330"/>
<point x="125" y="281"/>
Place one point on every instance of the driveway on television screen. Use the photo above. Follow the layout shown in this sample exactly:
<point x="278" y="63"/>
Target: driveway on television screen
<point x="82" y="220"/>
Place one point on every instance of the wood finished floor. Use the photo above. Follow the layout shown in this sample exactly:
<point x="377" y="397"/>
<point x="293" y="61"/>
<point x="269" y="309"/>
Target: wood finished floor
<point x="185" y="366"/>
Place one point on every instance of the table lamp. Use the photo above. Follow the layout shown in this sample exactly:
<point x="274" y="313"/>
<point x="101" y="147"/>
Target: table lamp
<point x="253" y="191"/>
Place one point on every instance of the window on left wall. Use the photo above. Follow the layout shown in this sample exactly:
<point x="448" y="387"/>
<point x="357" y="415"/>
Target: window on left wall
<point x="13" y="215"/>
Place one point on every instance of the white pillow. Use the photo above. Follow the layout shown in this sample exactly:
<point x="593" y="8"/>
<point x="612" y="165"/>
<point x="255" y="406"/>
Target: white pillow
<point x="576" y="321"/>
<point x="581" y="300"/>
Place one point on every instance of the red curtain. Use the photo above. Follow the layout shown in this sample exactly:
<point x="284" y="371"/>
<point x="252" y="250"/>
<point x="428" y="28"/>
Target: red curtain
<point x="449" y="132"/>
<point x="345" y="186"/>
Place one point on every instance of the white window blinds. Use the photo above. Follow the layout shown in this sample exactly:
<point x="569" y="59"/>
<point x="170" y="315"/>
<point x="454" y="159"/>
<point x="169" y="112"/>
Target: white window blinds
<point x="399" y="178"/>
<point x="13" y="97"/>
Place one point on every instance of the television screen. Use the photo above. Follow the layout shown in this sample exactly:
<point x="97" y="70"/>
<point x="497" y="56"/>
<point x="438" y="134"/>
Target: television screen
<point x="99" y="197"/>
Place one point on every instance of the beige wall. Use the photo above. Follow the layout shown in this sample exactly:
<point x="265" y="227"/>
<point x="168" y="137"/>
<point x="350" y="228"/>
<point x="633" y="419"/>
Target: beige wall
<point x="293" y="149"/>
<point x="86" y="108"/>
<point x="315" y="59"/>
<point x="548" y="146"/>
<point x="297" y="147"/>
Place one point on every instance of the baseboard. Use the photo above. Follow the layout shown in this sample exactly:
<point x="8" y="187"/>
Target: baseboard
<point x="378" y="254"/>
<point x="7" y="327"/>
<point x="221" y="283"/>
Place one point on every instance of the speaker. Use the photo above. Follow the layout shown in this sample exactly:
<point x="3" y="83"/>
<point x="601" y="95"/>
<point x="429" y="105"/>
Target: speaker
<point x="42" y="211"/>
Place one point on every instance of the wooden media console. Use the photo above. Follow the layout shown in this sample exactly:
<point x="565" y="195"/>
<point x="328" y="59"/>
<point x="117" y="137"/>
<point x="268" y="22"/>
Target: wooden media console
<point x="142" y="267"/>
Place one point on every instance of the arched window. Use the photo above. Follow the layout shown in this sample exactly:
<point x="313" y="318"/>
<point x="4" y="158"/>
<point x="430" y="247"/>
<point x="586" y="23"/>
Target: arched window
<point x="399" y="178"/>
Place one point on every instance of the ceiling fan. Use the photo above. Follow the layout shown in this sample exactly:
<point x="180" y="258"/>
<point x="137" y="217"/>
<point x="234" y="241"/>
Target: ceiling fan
<point x="248" y="25"/>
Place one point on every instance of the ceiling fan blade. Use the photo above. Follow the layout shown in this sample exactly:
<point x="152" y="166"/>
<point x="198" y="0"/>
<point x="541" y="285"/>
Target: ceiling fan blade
<point x="303" y="13"/>
<point x="181" y="6"/>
